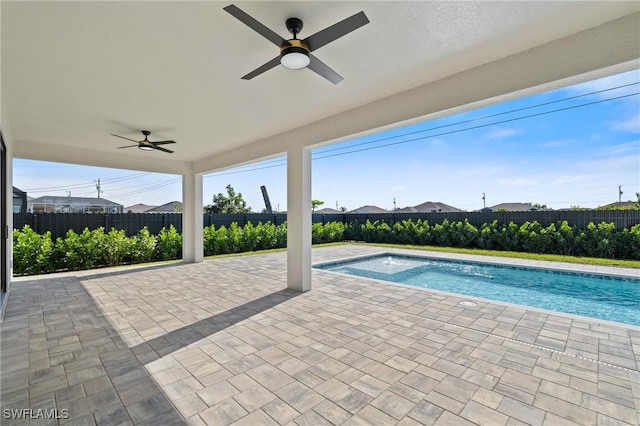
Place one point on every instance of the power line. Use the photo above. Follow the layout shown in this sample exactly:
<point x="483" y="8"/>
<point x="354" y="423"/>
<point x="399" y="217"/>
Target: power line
<point x="149" y="188"/>
<point x="320" y="156"/>
<point x="476" y="127"/>
<point x="143" y="185"/>
<point x="87" y="184"/>
<point x="482" y="118"/>
<point x="247" y="170"/>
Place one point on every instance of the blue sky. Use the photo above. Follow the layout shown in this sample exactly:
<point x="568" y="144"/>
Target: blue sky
<point x="545" y="149"/>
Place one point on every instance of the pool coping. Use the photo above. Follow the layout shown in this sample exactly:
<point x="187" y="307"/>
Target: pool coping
<point x="579" y="268"/>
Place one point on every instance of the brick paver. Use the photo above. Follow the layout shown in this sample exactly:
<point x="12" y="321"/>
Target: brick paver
<point x="223" y="342"/>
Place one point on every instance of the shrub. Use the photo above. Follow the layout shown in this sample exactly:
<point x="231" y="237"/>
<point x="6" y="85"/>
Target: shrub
<point x="566" y="239"/>
<point x="234" y="236"/>
<point x="169" y="244"/>
<point x="598" y="240"/>
<point x="464" y="234"/>
<point x="116" y="248"/>
<point x="35" y="253"/>
<point x="628" y="243"/>
<point x="441" y="234"/>
<point x="489" y="237"/>
<point x="143" y="247"/>
<point x="81" y="251"/>
<point x="209" y="240"/>
<point x="267" y="236"/>
<point x="528" y="237"/>
<point x="249" y="238"/>
<point x="32" y="252"/>
<point x="327" y="233"/>
<point x="509" y="237"/>
<point x="221" y="241"/>
<point x="281" y="235"/>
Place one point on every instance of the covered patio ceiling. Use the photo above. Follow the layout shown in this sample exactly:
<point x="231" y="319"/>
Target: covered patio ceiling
<point x="75" y="72"/>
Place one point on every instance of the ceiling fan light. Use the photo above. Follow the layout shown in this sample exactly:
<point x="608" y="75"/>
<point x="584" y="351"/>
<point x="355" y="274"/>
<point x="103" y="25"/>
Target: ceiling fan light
<point x="145" y="148"/>
<point x="295" y="58"/>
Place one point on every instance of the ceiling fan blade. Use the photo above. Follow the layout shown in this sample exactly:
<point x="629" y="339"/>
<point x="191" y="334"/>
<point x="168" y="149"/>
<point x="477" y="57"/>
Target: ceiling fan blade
<point x="266" y="67"/>
<point x="322" y="69"/>
<point x="335" y="31"/>
<point x="159" y="148"/>
<point x="122" y="137"/>
<point x="255" y="25"/>
<point x="128" y="146"/>
<point x="163" y="142"/>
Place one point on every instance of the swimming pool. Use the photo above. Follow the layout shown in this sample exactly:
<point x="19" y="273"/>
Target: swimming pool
<point x="597" y="296"/>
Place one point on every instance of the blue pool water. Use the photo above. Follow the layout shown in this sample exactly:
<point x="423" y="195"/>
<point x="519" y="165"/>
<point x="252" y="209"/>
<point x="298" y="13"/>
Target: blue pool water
<point x="605" y="297"/>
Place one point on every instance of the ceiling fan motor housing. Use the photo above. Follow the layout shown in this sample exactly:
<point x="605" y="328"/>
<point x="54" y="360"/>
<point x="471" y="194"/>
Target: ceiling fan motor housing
<point x="296" y="53"/>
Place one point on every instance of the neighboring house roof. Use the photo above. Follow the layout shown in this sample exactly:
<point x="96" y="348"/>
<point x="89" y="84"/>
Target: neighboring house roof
<point x="18" y="192"/>
<point x="328" y="210"/>
<point x="61" y="204"/>
<point x="407" y="209"/>
<point x="138" y="208"/>
<point x="55" y="199"/>
<point x="369" y="209"/>
<point x="513" y="207"/>
<point x="20" y="201"/>
<point x="431" y="206"/>
<point x="169" y="207"/>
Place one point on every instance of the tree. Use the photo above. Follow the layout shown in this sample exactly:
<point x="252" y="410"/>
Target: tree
<point x="315" y="204"/>
<point x="231" y="203"/>
<point x="539" y="206"/>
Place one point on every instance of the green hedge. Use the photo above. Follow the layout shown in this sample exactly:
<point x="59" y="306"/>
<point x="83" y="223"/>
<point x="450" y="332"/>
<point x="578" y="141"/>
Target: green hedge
<point x="34" y="253"/>
<point x="600" y="240"/>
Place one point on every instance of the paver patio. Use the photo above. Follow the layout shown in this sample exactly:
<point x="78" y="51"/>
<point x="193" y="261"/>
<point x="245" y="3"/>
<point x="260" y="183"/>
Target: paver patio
<point x="223" y="342"/>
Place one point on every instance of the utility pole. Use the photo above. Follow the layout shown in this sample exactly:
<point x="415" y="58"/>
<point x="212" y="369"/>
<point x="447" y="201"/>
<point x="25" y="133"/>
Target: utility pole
<point x="267" y="201"/>
<point x="394" y="203"/>
<point x="620" y="193"/>
<point x="484" y="201"/>
<point x="98" y="188"/>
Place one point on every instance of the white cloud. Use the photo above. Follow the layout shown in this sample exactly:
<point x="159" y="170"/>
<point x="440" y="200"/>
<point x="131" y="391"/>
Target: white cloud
<point x="629" y="124"/>
<point x="520" y="182"/>
<point x="501" y="133"/>
<point x="622" y="149"/>
<point x="568" y="179"/>
<point x="555" y="143"/>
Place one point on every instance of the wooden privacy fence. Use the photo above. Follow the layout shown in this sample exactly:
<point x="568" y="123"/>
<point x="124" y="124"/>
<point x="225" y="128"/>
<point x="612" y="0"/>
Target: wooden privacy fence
<point x="132" y="223"/>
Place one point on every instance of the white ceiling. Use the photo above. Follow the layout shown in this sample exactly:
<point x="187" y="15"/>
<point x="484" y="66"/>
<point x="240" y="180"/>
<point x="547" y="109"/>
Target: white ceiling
<point x="75" y="72"/>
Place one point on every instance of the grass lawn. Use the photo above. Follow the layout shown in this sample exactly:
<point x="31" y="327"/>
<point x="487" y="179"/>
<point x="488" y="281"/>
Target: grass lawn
<point x="520" y="255"/>
<point x="515" y="254"/>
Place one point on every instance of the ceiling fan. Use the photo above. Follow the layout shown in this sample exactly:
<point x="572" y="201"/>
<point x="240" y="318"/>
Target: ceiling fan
<point x="146" y="144"/>
<point x="295" y="53"/>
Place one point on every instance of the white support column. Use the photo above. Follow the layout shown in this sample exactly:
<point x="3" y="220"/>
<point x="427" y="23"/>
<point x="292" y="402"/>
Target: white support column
<point x="192" y="248"/>
<point x="299" y="219"/>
